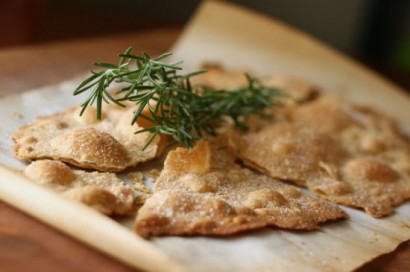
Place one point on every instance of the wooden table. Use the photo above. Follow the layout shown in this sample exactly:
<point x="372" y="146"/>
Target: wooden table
<point x="26" y="244"/>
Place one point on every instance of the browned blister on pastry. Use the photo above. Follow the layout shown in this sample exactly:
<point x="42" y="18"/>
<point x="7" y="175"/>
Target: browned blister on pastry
<point x="101" y="191"/>
<point x="348" y="154"/>
<point x="107" y="145"/>
<point x="203" y="191"/>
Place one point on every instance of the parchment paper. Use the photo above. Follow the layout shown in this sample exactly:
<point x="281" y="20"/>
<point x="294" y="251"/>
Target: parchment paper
<point x="238" y="38"/>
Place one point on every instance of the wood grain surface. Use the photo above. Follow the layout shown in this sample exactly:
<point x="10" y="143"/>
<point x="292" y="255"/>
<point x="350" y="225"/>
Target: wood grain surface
<point x="26" y="244"/>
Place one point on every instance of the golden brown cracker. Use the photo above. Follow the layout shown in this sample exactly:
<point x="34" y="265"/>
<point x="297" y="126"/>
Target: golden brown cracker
<point x="102" y="191"/>
<point x="224" y="198"/>
<point x="107" y="145"/>
<point x="291" y="152"/>
<point x="342" y="152"/>
<point x="294" y="89"/>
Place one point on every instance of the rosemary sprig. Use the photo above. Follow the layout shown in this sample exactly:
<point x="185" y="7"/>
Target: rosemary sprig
<point x="175" y="107"/>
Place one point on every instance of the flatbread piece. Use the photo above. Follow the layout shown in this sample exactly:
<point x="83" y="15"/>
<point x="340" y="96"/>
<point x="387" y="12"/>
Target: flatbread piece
<point x="203" y="191"/>
<point x="107" y="145"/>
<point x="348" y="154"/>
<point x="102" y="191"/>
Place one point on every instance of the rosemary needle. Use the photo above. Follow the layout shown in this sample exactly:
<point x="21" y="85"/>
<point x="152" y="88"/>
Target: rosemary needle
<point x="180" y="110"/>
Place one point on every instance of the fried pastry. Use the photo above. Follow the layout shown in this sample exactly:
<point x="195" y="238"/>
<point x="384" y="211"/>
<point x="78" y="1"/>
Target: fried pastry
<point x="101" y="191"/>
<point x="294" y="89"/>
<point x="203" y="191"/>
<point x="348" y="154"/>
<point x="107" y="145"/>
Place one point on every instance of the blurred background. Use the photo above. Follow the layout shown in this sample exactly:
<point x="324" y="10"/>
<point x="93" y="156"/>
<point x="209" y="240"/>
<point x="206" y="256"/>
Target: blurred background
<point x="376" y="32"/>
